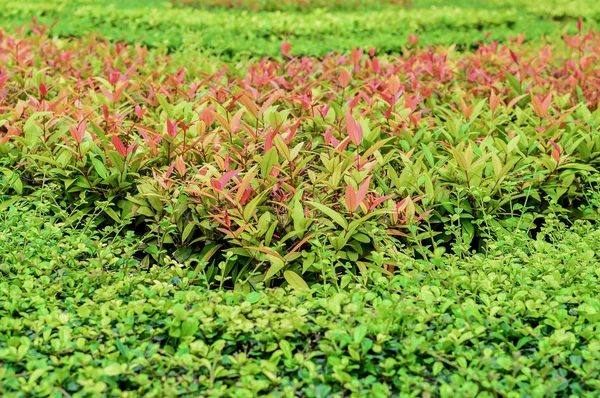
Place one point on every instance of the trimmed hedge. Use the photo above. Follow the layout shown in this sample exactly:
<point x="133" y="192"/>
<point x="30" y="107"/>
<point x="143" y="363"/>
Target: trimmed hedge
<point x="237" y="33"/>
<point x="81" y="317"/>
<point x="299" y="171"/>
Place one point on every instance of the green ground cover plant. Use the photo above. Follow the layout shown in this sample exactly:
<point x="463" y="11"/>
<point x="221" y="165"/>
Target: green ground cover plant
<point x="238" y="33"/>
<point x="81" y="316"/>
<point x="292" y="5"/>
<point x="235" y="198"/>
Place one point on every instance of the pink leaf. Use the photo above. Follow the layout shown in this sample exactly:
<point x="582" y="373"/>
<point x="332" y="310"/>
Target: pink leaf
<point x="285" y="48"/>
<point x="353" y="129"/>
<point x="394" y="85"/>
<point x="379" y="201"/>
<point x="119" y="145"/>
<point x="351" y="198"/>
<point x="355" y="56"/>
<point x="43" y="90"/>
<point x="225" y="178"/>
<point x="207" y="116"/>
<point x="355" y="198"/>
<point x="344" y="78"/>
<point x="180" y="165"/>
<point x="555" y="151"/>
<point x="139" y="112"/>
<point x="494" y="101"/>
<point x="171" y="128"/>
<point x="362" y="191"/>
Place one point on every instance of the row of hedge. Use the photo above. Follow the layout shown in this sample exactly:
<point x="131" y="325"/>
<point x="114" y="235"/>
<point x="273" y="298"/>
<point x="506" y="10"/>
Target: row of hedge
<point x="239" y="33"/>
<point x="302" y="169"/>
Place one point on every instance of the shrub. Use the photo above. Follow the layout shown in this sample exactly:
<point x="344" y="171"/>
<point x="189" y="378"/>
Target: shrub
<point x="271" y="175"/>
<point x="236" y="34"/>
<point x="289" y="5"/>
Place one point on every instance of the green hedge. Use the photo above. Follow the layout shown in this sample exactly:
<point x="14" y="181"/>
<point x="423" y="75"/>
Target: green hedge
<point x="79" y="316"/>
<point x="241" y="33"/>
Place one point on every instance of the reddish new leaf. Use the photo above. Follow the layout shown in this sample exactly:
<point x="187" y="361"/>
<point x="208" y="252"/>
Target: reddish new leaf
<point x="119" y="146"/>
<point x="354" y="129"/>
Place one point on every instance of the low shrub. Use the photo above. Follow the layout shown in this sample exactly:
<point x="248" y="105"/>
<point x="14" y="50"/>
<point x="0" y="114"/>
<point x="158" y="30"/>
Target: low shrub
<point x="236" y="34"/>
<point x="290" y="5"/>
<point x="300" y="169"/>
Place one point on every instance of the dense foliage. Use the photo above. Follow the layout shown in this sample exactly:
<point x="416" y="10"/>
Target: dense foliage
<point x="267" y="173"/>
<point x="237" y="33"/>
<point x="80" y="316"/>
<point x="290" y="5"/>
<point x="359" y="213"/>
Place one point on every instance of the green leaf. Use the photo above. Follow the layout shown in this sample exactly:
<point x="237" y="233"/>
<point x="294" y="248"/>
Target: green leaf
<point x="428" y="155"/>
<point x="187" y="231"/>
<point x="295" y="280"/>
<point x="268" y="162"/>
<point x="31" y="130"/>
<point x="113" y="370"/>
<point x="277" y="265"/>
<point x="122" y="348"/>
<point x="360" y="333"/>
<point x="99" y="167"/>
<point x="7" y="203"/>
<point x="335" y="216"/>
<point x="189" y="327"/>
<point x="112" y="214"/>
<point x="182" y="254"/>
<point x="512" y="144"/>
<point x="116" y="159"/>
<point x="165" y="105"/>
<point x="514" y="83"/>
<point x="250" y="208"/>
<point x="253" y="297"/>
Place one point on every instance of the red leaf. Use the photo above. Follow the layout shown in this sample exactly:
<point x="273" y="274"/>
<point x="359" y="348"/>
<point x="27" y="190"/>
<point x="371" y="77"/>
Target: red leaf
<point x="351" y="198"/>
<point x="555" y="151"/>
<point x="119" y="145"/>
<point x="354" y="129"/>
<point x="413" y="40"/>
<point x="494" y="101"/>
<point x="362" y="191"/>
<point x="286" y="48"/>
<point x="344" y="78"/>
<point x="43" y="90"/>
<point x="355" y="198"/>
<point x="180" y="165"/>
<point x="225" y="178"/>
<point x="207" y="116"/>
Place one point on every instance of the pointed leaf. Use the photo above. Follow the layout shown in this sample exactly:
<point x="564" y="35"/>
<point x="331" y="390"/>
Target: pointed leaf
<point x="295" y="280"/>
